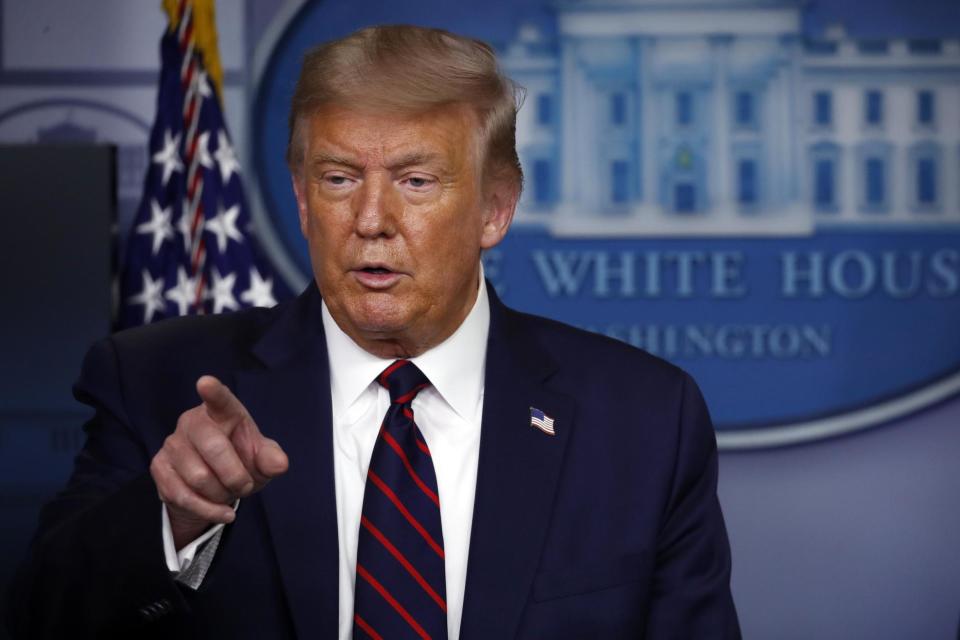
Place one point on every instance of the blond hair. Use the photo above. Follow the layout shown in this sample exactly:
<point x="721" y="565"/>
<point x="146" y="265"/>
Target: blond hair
<point x="408" y="69"/>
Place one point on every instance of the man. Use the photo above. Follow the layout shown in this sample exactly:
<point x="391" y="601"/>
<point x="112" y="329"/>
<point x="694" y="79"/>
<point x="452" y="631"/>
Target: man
<point x="394" y="454"/>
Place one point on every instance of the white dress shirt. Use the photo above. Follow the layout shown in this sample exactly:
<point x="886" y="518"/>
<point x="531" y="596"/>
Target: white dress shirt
<point x="448" y="414"/>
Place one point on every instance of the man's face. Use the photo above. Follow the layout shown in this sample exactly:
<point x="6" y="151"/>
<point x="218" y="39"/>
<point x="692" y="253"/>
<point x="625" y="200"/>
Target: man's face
<point x="395" y="217"/>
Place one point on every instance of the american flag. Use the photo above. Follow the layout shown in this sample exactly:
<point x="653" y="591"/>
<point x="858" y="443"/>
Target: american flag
<point x="541" y="421"/>
<point x="190" y="248"/>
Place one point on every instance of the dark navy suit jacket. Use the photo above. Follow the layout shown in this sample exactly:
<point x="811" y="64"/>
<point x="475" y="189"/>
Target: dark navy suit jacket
<point x="609" y="529"/>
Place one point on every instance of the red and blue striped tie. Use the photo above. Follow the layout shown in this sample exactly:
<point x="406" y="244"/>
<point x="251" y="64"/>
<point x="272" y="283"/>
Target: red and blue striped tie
<point x="400" y="586"/>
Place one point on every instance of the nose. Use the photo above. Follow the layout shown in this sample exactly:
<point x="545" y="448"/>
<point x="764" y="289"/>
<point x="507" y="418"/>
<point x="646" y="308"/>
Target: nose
<point x="376" y="207"/>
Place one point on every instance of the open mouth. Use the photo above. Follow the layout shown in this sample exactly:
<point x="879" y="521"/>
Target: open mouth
<point x="376" y="277"/>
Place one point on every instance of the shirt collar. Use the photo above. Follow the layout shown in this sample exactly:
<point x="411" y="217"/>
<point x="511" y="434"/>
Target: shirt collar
<point x="455" y="367"/>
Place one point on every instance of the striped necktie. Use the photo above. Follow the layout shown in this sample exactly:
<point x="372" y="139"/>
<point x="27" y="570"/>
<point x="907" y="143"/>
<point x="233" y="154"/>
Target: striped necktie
<point x="400" y="586"/>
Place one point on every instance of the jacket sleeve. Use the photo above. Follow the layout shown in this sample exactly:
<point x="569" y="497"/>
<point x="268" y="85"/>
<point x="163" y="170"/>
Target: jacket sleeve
<point x="691" y="592"/>
<point x="95" y="567"/>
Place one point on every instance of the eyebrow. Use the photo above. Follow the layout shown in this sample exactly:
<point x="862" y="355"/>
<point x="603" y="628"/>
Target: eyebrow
<point x="400" y="162"/>
<point x="323" y="157"/>
<point x="413" y="158"/>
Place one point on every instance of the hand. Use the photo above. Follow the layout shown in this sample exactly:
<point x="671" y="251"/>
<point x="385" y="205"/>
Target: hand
<point x="216" y="455"/>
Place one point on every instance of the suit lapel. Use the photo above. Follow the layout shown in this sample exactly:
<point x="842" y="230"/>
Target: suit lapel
<point x="518" y="472"/>
<point x="290" y="400"/>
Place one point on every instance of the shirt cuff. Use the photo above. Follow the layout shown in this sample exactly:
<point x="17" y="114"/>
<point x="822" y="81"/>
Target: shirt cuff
<point x="178" y="561"/>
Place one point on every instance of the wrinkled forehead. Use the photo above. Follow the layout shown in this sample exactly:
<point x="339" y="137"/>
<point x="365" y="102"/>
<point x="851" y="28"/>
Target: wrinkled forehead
<point x="447" y="135"/>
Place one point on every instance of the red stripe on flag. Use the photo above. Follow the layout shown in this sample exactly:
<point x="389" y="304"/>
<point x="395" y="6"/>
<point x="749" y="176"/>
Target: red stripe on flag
<point x="186" y="80"/>
<point x="187" y="36"/>
<point x="198" y="298"/>
<point x="406" y="514"/>
<point x="402" y="560"/>
<point x="197" y="218"/>
<point x="187" y="117"/>
<point x="191" y="151"/>
<point x="198" y="256"/>
<point x="197" y="178"/>
<point x="360" y="622"/>
<point x="183" y="16"/>
<point x="390" y="440"/>
<point x="392" y="601"/>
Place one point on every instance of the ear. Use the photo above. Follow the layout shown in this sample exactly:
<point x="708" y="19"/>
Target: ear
<point x="299" y="191"/>
<point x="498" y="213"/>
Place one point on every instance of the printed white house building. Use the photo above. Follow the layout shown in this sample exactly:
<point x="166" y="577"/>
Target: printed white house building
<point x="718" y="117"/>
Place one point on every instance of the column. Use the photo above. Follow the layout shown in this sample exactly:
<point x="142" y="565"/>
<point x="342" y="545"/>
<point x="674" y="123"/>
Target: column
<point x="784" y="130"/>
<point x="796" y="178"/>
<point x="719" y="175"/>
<point x="900" y="182"/>
<point x="571" y="183"/>
<point x="848" y="178"/>
<point x="648" y="124"/>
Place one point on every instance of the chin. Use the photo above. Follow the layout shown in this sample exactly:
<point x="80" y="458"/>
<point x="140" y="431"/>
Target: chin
<point x="384" y="319"/>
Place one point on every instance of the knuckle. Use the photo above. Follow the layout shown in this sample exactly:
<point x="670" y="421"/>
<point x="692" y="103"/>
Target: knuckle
<point x="163" y="493"/>
<point x="198" y="476"/>
<point x="174" y="445"/>
<point x="183" y="498"/>
<point x="192" y="504"/>
<point x="215" y="448"/>
<point x="159" y="468"/>
<point x="237" y="482"/>
<point x="184" y="420"/>
<point x="159" y="479"/>
<point x="189" y="417"/>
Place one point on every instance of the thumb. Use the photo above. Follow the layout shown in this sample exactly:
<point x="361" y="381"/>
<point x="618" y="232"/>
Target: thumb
<point x="270" y="459"/>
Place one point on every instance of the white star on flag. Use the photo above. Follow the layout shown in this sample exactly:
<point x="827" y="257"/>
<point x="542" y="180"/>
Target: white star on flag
<point x="183" y="226"/>
<point x="203" y="87"/>
<point x="222" y="291"/>
<point x="192" y="225"/>
<point x="226" y="156"/>
<point x="183" y="293"/>
<point x="151" y="296"/>
<point x="260" y="293"/>
<point x="203" y="150"/>
<point x="224" y="226"/>
<point x="169" y="156"/>
<point x="159" y="225"/>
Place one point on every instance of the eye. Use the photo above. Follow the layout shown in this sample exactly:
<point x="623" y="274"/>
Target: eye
<point x="419" y="183"/>
<point x="336" y="180"/>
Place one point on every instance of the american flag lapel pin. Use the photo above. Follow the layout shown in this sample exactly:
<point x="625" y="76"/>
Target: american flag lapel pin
<point x="541" y="421"/>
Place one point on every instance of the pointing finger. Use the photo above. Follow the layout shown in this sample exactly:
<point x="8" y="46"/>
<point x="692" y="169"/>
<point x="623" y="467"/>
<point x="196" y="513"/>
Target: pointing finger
<point x="221" y="405"/>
